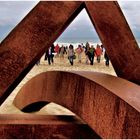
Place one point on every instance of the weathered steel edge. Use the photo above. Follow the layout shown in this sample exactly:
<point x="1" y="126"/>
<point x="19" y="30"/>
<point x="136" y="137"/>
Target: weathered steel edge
<point x="31" y="126"/>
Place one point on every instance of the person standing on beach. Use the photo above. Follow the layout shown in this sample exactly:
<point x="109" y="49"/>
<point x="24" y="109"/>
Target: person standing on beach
<point x="92" y="54"/>
<point x="98" y="53"/>
<point x="61" y="52"/>
<point x="106" y="59"/>
<point x="87" y="53"/>
<point x="71" y="54"/>
<point x="79" y="51"/>
<point x="56" y="49"/>
<point x="49" y="54"/>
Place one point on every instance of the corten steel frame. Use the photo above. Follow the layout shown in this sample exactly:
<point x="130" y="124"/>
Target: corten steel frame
<point x="42" y="26"/>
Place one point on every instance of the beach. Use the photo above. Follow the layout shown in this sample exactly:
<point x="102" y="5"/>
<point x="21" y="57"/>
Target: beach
<point x="59" y="65"/>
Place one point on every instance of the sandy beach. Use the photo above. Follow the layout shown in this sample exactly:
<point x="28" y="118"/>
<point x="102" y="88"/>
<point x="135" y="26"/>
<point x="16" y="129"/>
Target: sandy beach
<point x="8" y="108"/>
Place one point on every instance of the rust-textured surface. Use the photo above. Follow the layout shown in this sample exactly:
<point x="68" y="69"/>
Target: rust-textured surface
<point x="44" y="127"/>
<point x="29" y="40"/>
<point x="117" y="38"/>
<point x="108" y="104"/>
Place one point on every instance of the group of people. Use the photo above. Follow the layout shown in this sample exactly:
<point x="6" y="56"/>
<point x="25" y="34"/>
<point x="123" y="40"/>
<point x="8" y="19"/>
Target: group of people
<point x="59" y="52"/>
<point x="89" y="50"/>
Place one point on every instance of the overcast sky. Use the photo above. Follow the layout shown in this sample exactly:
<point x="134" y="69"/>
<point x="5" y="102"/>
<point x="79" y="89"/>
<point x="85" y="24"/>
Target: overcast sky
<point x="12" y="12"/>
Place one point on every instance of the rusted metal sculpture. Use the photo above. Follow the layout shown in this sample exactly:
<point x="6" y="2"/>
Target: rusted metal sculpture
<point x="41" y="27"/>
<point x="41" y="126"/>
<point x="101" y="100"/>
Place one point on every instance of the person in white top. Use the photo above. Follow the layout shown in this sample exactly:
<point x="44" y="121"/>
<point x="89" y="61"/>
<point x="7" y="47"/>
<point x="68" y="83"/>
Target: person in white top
<point x="79" y="51"/>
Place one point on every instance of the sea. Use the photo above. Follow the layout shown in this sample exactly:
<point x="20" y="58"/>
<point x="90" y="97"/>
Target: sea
<point x="75" y="45"/>
<point x="76" y="41"/>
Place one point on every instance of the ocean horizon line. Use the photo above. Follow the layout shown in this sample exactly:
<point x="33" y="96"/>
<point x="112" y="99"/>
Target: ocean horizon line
<point x="75" y="43"/>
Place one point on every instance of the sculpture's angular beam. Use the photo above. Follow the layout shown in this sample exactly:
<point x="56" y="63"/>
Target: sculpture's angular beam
<point x="29" y="40"/>
<point x="110" y="105"/>
<point x="117" y="38"/>
<point x="25" y="126"/>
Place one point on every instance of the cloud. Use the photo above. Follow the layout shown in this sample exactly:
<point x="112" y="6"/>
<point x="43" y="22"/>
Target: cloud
<point x="132" y="12"/>
<point x="81" y="27"/>
<point x="11" y="13"/>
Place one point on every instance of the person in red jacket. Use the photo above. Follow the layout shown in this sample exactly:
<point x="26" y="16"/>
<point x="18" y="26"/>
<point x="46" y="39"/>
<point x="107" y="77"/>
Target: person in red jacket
<point x="98" y="53"/>
<point x="56" y="49"/>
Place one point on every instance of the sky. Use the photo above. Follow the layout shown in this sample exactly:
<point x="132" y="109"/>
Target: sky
<point x="12" y="12"/>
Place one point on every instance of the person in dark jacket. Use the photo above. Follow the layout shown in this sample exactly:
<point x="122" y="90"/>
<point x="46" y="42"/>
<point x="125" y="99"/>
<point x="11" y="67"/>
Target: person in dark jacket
<point x="106" y="59"/>
<point x="92" y="54"/>
<point x="49" y="55"/>
<point x="87" y="53"/>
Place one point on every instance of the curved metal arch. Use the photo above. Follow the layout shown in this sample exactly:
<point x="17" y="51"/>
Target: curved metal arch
<point x="94" y="97"/>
